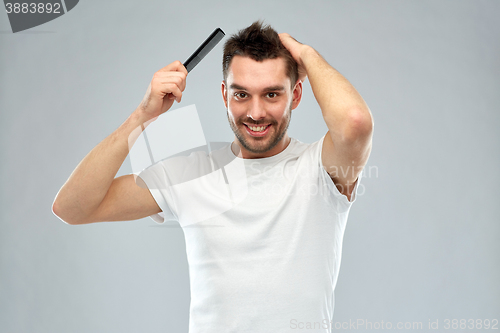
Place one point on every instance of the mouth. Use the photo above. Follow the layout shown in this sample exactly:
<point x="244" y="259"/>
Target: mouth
<point x="257" y="131"/>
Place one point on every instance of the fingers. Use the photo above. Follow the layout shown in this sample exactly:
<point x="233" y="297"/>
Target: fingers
<point x="176" y="66"/>
<point x="174" y="91"/>
<point x="171" y="77"/>
<point x="170" y="81"/>
<point x="166" y="85"/>
<point x="284" y="35"/>
<point x="295" y="48"/>
<point x="288" y="41"/>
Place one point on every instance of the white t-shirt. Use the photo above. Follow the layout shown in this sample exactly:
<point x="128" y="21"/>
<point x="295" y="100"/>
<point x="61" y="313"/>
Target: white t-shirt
<point x="263" y="237"/>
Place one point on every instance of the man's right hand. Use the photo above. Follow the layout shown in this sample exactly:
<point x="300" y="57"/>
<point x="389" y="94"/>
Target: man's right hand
<point x="91" y="193"/>
<point x="166" y="86"/>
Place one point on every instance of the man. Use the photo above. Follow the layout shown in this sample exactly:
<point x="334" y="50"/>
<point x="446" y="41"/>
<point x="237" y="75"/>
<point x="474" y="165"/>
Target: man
<point x="264" y="255"/>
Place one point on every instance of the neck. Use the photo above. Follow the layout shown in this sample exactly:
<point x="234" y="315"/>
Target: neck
<point x="242" y="152"/>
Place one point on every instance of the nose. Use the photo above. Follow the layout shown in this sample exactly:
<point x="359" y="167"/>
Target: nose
<point x="257" y="110"/>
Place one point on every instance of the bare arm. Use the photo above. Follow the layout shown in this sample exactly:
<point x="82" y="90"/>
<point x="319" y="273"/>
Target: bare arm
<point x="347" y="145"/>
<point x="92" y="194"/>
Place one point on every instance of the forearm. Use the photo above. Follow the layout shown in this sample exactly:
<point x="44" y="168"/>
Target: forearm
<point x="344" y="110"/>
<point x="88" y="184"/>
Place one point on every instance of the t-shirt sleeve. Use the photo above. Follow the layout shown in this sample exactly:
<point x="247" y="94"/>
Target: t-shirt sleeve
<point x="340" y="200"/>
<point x="157" y="181"/>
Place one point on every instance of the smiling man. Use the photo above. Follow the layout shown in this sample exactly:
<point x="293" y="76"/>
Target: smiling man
<point x="258" y="96"/>
<point x="259" y="90"/>
<point x="263" y="217"/>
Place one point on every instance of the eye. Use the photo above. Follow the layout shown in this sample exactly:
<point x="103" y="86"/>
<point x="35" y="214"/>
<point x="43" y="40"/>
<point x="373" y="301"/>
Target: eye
<point x="240" y="95"/>
<point x="272" y="95"/>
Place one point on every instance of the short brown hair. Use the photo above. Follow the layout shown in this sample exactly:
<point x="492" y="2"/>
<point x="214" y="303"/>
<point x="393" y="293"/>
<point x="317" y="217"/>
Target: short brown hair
<point x="259" y="43"/>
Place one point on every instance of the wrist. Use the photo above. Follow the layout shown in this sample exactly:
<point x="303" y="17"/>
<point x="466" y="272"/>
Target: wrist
<point x="307" y="53"/>
<point x="140" y="118"/>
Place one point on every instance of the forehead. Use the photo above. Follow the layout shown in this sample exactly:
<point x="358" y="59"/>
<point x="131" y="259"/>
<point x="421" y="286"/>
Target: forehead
<point x="249" y="73"/>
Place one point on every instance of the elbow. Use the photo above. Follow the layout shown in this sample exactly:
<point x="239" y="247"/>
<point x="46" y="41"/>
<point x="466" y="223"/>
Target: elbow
<point x="358" y="126"/>
<point x="59" y="211"/>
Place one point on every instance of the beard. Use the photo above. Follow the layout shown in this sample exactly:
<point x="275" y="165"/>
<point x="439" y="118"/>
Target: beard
<point x="261" y="144"/>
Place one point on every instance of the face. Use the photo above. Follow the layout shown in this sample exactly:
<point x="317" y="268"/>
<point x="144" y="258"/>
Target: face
<point x="259" y="100"/>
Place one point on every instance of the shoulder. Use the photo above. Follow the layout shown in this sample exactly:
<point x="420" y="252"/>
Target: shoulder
<point x="309" y="151"/>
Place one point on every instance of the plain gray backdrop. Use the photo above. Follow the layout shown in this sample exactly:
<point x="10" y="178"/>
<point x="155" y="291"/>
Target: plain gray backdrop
<point x="421" y="242"/>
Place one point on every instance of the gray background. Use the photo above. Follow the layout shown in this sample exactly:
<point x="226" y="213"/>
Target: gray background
<point x="422" y="240"/>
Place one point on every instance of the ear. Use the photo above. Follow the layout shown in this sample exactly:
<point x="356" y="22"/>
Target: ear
<point x="224" y="92"/>
<point x="297" y="94"/>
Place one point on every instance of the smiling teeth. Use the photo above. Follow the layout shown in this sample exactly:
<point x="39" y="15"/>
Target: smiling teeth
<point x="257" y="129"/>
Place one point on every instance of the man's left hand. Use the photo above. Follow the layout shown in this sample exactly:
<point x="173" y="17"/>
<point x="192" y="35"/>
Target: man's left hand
<point x="296" y="49"/>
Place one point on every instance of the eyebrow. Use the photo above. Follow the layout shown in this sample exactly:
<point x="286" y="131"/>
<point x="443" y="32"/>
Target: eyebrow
<point x="271" y="88"/>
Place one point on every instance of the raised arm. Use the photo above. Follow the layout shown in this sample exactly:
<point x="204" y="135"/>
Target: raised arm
<point x="92" y="194"/>
<point x="347" y="145"/>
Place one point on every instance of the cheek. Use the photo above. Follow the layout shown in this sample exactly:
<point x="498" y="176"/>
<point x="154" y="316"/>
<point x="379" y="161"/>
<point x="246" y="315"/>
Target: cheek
<point x="278" y="110"/>
<point x="232" y="113"/>
<point x="235" y="110"/>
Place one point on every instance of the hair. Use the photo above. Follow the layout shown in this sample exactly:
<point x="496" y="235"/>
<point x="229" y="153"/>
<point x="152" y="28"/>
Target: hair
<point x="259" y="43"/>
